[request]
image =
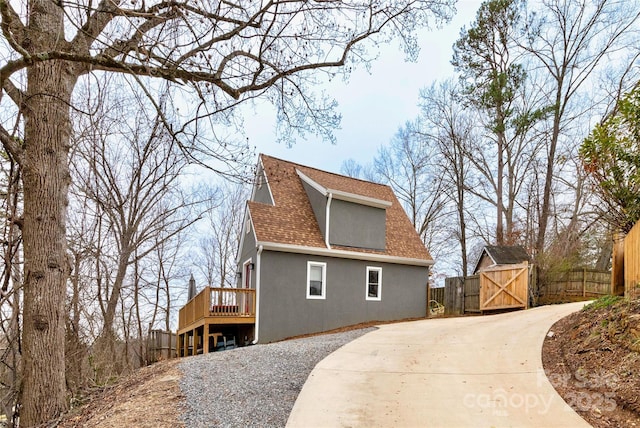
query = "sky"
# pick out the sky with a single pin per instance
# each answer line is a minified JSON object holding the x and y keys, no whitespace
{"x":373,"y":104}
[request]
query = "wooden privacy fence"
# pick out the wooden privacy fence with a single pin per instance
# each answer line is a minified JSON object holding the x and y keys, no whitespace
{"x":630,"y":261}
{"x":577,"y":284}
{"x":161,"y":345}
{"x":461,"y":295}
{"x":437,"y":294}
{"x":435,"y":301}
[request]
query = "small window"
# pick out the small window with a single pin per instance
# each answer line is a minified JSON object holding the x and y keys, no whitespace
{"x":374,"y":283}
{"x":316,"y":280}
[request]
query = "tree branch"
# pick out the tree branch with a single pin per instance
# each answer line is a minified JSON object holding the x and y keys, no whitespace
{"x":12,"y":27}
{"x":12,"y":146}
{"x":95,"y":24}
{"x":16,"y":95}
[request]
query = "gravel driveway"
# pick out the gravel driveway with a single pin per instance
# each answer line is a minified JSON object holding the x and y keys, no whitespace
{"x":254,"y":386}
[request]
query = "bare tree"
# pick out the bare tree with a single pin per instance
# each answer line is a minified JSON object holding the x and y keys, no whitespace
{"x":146,"y":298}
{"x":90,"y":246}
{"x":407,"y":165}
{"x":217,"y":54}
{"x":351,"y":168}
{"x":570,"y":42}
{"x":10,"y":288}
{"x":221,"y":233}
{"x":445,"y":122}
{"x":168,"y":270}
{"x":131,"y":172}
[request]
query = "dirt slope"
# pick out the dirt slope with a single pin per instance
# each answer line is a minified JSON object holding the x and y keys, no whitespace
{"x":592,"y":358}
{"x":148,"y":398}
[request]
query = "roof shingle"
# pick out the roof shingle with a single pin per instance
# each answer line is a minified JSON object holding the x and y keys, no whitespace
{"x":292,"y":221}
{"x":507,"y":255}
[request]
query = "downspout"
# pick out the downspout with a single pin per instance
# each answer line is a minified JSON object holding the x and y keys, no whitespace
{"x":327,"y":216}
{"x":257,"y":324}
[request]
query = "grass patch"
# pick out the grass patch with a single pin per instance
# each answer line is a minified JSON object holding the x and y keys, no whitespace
{"x":602,"y":302}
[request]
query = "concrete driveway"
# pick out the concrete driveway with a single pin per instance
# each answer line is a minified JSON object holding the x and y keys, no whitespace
{"x":450,"y":372}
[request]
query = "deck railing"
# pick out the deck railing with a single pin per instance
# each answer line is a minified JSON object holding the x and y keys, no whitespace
{"x":218,"y":302}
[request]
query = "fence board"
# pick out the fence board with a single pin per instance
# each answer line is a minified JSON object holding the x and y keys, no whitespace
{"x":453,"y":296}
{"x":161,"y":345}
{"x":617,"y":265}
{"x":472,"y":293}
{"x":462,"y":295}
{"x":632,"y":263}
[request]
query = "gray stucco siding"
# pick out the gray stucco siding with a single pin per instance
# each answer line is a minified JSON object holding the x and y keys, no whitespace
{"x":248,"y":251}
{"x":355,"y":225}
{"x":285,"y":310}
{"x":261,"y":190}
{"x":319,"y":205}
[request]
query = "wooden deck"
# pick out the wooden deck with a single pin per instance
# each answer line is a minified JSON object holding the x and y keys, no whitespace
{"x":201,"y":320}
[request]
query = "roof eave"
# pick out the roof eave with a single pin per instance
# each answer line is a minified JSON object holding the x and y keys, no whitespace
{"x":344,"y":196}
{"x":344,"y":254}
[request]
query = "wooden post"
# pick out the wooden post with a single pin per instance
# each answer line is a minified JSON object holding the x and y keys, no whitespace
{"x":205,"y":332}
{"x":185,"y":344}
{"x":428,"y":300}
{"x":617,"y":265}
{"x":584,"y":282}
{"x":207,"y":301}
{"x":464,"y":291}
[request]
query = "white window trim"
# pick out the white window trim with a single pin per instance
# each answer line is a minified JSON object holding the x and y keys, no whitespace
{"x":244,"y":274}
{"x":366,"y":283}
{"x":324,"y":280}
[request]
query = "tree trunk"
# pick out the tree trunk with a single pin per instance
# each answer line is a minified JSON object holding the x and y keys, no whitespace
{"x":545,"y":210}
{"x":114,"y":298}
{"x":167,"y":320}
{"x":463,"y":238}
{"x":74,"y":351}
{"x":142,"y":354}
{"x":107,"y":359}
{"x":502,"y":143}
{"x":46,"y":183}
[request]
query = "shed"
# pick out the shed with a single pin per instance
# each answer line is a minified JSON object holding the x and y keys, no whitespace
{"x":500,"y":255}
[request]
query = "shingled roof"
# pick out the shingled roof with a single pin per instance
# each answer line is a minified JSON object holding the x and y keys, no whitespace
{"x":504,"y":255}
{"x":291,"y":220}
{"x":507,"y":255}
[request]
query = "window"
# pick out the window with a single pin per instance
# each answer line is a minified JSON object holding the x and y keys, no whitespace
{"x":374,"y":283}
{"x":316,"y":280}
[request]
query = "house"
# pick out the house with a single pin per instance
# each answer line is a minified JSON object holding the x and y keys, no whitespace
{"x":500,"y":255}
{"x":319,"y":251}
